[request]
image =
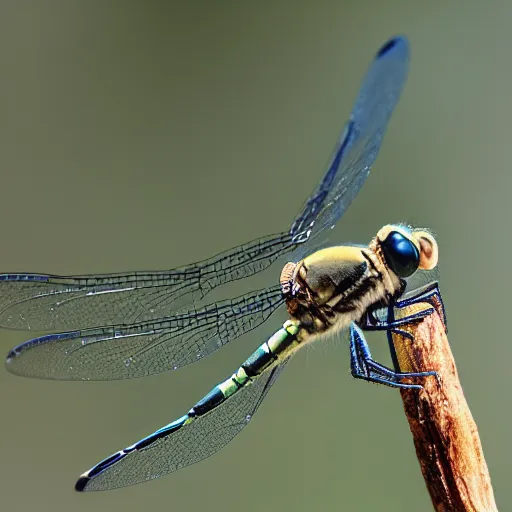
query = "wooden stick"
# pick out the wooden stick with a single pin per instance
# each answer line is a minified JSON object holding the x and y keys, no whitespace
{"x":445,"y":435}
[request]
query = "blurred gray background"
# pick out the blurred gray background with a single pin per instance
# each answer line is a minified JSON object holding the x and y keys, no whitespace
{"x":147,"y":135}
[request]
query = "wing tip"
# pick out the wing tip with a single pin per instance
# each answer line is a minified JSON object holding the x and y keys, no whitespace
{"x":81,"y":483}
{"x":11,"y":355}
{"x":391,"y":44}
{"x":11,"y":359}
{"x":16,"y":353}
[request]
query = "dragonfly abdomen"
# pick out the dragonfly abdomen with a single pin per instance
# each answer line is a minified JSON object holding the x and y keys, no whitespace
{"x":273,"y":353}
{"x":278,"y":347}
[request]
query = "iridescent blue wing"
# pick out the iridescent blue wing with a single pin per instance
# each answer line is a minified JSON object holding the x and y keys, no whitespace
{"x":360,"y":142}
{"x":48,"y":302}
{"x":44,"y":302}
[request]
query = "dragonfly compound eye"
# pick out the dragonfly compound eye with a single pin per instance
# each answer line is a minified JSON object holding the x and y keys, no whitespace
{"x":401,"y":254}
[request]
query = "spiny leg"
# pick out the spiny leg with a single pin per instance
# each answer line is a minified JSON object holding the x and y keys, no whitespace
{"x":429,"y":294}
{"x":364,"y":367}
{"x":371,"y":323}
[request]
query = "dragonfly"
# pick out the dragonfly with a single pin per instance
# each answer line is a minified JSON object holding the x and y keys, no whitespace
{"x":332,"y":289}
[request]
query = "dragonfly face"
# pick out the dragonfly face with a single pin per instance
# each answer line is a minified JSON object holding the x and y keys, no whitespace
{"x":333,"y":287}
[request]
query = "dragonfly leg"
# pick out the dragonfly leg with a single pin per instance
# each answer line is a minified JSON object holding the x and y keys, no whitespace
{"x":364,"y":367}
{"x":429,"y":294}
{"x":370,"y":323}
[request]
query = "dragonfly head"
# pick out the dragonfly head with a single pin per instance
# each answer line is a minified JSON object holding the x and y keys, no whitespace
{"x":406,"y":250}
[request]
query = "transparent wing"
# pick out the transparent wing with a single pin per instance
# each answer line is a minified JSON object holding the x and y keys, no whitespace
{"x":46,"y":302}
{"x":146,"y":348}
{"x":360,"y":142}
{"x":180,"y":444}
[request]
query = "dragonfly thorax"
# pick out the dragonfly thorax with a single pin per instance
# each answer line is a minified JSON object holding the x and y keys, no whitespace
{"x":335,"y":286}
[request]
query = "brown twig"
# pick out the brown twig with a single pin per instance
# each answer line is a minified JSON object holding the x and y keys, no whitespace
{"x":445,"y":435}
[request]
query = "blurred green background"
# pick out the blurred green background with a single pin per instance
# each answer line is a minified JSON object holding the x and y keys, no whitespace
{"x":146,"y":135}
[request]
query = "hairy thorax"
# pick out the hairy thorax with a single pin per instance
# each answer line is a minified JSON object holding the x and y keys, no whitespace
{"x":335,"y":286}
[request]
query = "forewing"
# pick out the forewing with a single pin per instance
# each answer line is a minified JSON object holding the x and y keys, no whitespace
{"x":48,"y":302}
{"x":359,"y":143}
{"x":43,"y":302}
